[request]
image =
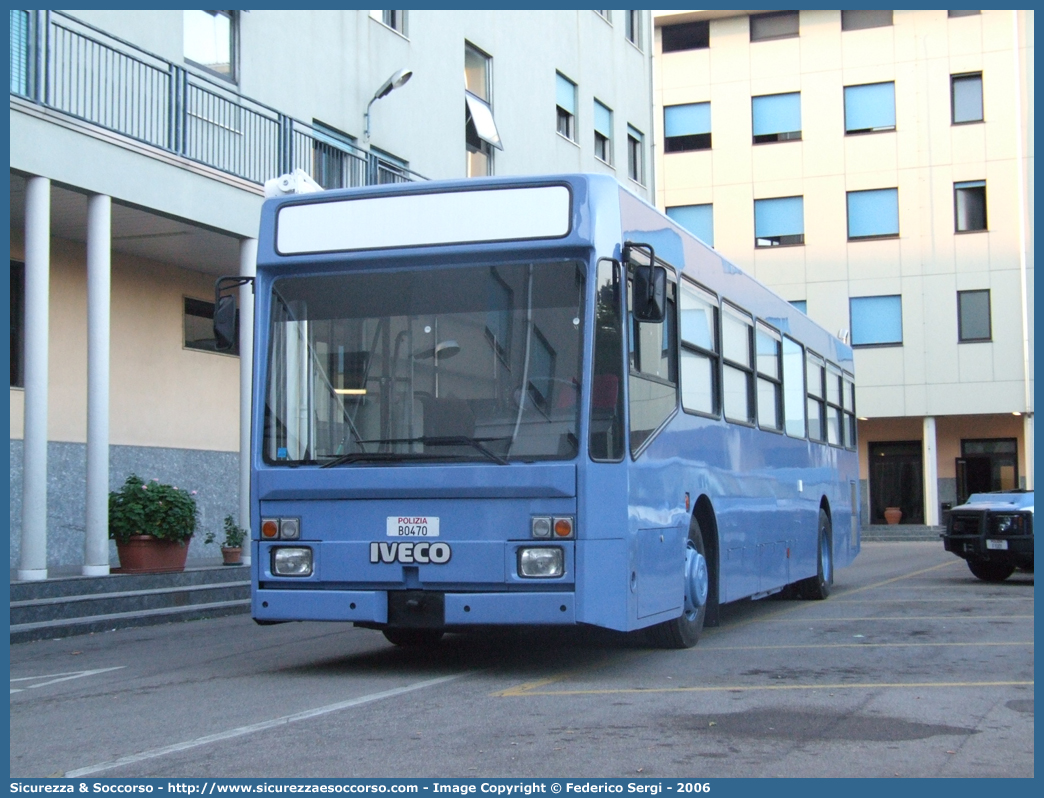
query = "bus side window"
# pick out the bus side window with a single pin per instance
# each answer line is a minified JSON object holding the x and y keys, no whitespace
{"x":653,"y":383}
{"x":700,"y":383}
{"x":737,"y":333}
{"x":849,"y":407}
{"x":770,"y":378}
{"x":793,"y":388}
{"x":834,"y":416}
{"x":607,"y":432}
{"x":816,"y":405}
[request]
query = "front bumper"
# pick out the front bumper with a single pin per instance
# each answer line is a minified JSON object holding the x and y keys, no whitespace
{"x":1016,"y":550}
{"x":371,"y":607}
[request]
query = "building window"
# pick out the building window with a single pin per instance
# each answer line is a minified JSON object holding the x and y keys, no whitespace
{"x":865,"y":18}
{"x":873,"y":214}
{"x":969,"y":206}
{"x":606,"y":15}
{"x":776,"y":117}
{"x":686,"y":127}
{"x":387,"y":168}
{"x":396,"y":20}
{"x":633,"y":27}
{"x":966,"y":98}
{"x":17,"y":324}
{"x":779,"y":222}
{"x":699,"y":350}
{"x":973,"y":316}
{"x":777,"y":25}
{"x":603,"y":133}
{"x":737,"y":334}
{"x":687,"y":36}
{"x":480,"y":130}
{"x":870,"y":108}
{"x":635,"y":156}
{"x":20,"y":52}
{"x":565,"y":98}
{"x":800,"y":304}
{"x":199,"y":327}
{"x":876,"y":320}
{"x":334,"y":162}
{"x":962,"y":13}
{"x":210,"y":41}
{"x":697,"y":219}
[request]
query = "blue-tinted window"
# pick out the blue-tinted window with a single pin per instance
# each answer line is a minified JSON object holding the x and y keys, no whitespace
{"x":777,"y":117}
{"x":565,"y":106}
{"x":870,"y":108}
{"x":876,"y":320}
{"x":966,"y":98}
{"x":19,"y":52}
{"x":697,"y":219}
{"x":873,"y":213}
{"x":687,"y":127}
{"x":603,"y":132}
{"x":779,"y":222}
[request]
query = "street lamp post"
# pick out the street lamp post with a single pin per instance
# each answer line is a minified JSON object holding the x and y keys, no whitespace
{"x":392,"y":83}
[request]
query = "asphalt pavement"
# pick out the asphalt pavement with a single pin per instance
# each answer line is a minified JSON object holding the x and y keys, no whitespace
{"x":911,"y":668}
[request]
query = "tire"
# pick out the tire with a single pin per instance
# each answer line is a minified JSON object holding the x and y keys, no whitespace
{"x":990,"y":571}
{"x":685,"y":630}
{"x":817,"y":588}
{"x":412,"y":638}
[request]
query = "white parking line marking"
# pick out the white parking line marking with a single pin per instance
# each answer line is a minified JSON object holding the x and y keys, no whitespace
{"x":54,"y":678}
{"x":262,"y":726}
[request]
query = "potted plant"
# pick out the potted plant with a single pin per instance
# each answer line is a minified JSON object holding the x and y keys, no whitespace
{"x":232,"y":547}
{"x":152,"y":524}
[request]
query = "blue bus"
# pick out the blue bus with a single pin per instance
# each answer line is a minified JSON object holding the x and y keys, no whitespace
{"x":532,"y":401}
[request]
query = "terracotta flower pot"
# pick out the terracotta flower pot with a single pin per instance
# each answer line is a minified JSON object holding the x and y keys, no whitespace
{"x":145,"y":554}
{"x":231,"y":555}
{"x":893,"y":515}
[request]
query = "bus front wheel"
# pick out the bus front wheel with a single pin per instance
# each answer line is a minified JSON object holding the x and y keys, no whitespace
{"x":412,"y":638}
{"x":684,"y":631}
{"x":818,"y":587}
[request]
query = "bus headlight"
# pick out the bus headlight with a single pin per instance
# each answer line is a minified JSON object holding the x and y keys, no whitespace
{"x":545,"y":562}
{"x":295,"y":561}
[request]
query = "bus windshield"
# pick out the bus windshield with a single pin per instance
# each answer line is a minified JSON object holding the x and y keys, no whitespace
{"x":470,"y":363}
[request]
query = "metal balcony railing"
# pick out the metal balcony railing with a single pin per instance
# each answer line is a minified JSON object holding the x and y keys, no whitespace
{"x":71,"y":67}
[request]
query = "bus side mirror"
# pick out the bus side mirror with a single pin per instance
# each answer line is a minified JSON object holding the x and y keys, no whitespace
{"x":650,"y":284}
{"x":226,"y":317}
{"x":225,"y":322}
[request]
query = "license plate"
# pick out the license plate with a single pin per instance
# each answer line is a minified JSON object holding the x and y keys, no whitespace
{"x":417,"y":526}
{"x":1000,"y":545}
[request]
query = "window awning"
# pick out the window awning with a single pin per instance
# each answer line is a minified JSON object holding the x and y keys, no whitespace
{"x":482,"y":119}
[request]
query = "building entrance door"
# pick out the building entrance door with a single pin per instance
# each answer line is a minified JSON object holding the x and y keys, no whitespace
{"x":897,"y":480}
{"x":987,"y":465}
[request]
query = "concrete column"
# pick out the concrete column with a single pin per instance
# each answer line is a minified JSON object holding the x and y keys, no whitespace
{"x":33,"y":563}
{"x":929,"y":454}
{"x":247,"y":268}
{"x":1027,"y":444}
{"x":99,"y":269}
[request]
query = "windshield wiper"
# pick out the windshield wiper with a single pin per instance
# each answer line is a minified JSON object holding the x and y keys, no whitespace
{"x":428,"y":440}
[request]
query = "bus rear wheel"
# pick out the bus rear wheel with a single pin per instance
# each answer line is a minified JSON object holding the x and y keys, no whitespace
{"x":685,"y":630}
{"x":818,"y":587}
{"x":412,"y":638}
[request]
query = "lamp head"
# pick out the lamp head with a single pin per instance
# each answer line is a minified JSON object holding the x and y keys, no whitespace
{"x":395,"y":81}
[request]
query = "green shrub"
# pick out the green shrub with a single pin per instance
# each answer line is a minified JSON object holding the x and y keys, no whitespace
{"x":140,"y":508}
{"x":234,"y":534}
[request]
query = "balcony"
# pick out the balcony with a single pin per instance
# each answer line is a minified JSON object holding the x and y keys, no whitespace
{"x":85,"y":74}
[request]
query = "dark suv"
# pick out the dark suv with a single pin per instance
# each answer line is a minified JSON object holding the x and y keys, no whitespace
{"x":994,"y":533}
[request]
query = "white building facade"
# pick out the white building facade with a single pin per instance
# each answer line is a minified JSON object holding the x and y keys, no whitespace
{"x":876,"y":168}
{"x":140,"y":142}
